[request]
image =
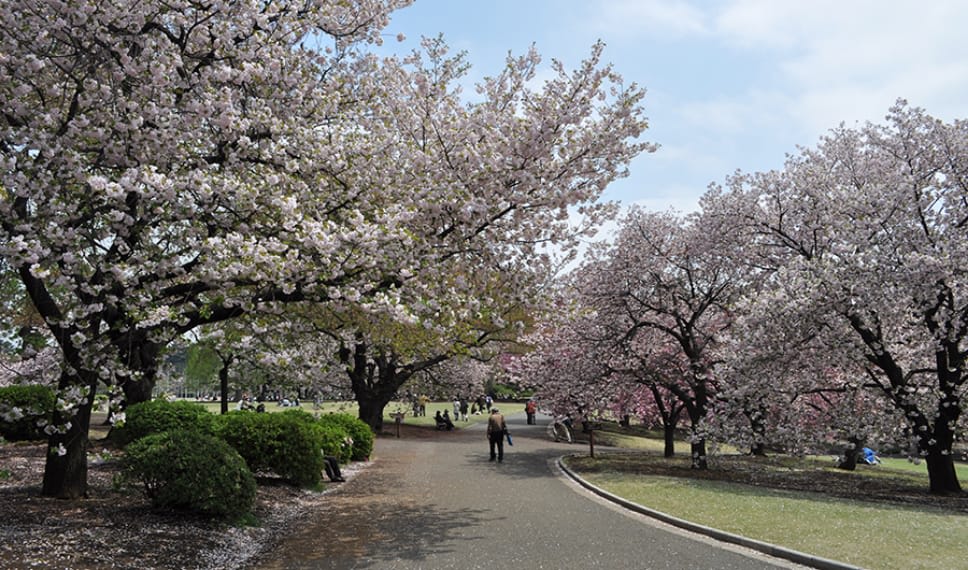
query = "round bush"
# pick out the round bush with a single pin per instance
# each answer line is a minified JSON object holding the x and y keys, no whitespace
{"x":193,"y":471}
{"x":21,"y":407}
{"x":357,"y":430}
{"x":156,"y":416}
{"x":286,"y":443}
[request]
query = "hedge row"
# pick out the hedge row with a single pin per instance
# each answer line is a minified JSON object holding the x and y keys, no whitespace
{"x":24,"y":411}
{"x":170,"y":450}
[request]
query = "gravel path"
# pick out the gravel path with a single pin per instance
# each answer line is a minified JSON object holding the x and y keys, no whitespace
{"x":438,"y":503}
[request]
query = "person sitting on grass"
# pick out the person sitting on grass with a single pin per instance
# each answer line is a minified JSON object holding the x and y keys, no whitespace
{"x":443,"y":421}
{"x":331,"y":465}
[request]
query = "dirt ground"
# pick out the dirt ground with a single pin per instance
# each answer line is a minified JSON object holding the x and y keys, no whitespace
{"x":117,"y":528}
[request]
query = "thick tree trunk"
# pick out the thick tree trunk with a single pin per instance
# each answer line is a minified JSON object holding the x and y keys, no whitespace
{"x":371,"y":411}
{"x":138,"y":390}
{"x":942,"y":475}
{"x":758,"y":427}
{"x":669,"y":438}
{"x":698,"y":449}
{"x":65,"y":472}
{"x":937,"y":452}
{"x":758,"y":449}
{"x":851,"y":453}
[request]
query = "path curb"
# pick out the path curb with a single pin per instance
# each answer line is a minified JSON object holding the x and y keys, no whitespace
{"x":764,"y":547}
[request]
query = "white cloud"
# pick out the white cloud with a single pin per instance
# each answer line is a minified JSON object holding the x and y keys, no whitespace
{"x":849,"y":61}
{"x":648,"y":17}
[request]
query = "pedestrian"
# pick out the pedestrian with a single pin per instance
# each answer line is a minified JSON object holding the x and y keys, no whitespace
{"x":496,"y":432}
{"x":463,"y":408}
{"x":457,"y":408}
{"x":531,"y":408}
{"x":331,"y":465}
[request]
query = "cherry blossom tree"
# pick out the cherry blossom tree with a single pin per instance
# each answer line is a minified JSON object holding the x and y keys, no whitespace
{"x":170,"y":165}
{"x":658,"y":372}
{"x":865,"y":236}
{"x":670,"y":276}
{"x":154,"y":156}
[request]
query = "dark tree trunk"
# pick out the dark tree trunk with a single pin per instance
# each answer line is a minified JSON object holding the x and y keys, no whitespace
{"x":223,"y":384}
{"x":698,"y":449}
{"x":669,"y":438}
{"x":65,"y":472}
{"x":371,"y":412}
{"x":697,"y":411}
{"x":851,"y":454}
{"x":942,"y":475}
{"x":223,"y":381}
{"x":758,"y":427}
{"x":376,"y":379}
{"x":141,"y":356}
{"x":138,"y":390}
{"x":936,"y":445}
{"x":670,"y":419}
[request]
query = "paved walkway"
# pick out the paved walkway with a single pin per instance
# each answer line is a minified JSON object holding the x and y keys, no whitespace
{"x":438,"y":503}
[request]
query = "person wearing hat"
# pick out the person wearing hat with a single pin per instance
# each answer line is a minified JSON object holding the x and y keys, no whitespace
{"x":496,"y":429}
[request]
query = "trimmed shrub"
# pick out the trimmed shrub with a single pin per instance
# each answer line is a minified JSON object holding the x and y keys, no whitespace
{"x":333,"y":441}
{"x":286,"y":443}
{"x":357,"y":430}
{"x":157,"y":416}
{"x":190,"y":470}
{"x":21,"y":407}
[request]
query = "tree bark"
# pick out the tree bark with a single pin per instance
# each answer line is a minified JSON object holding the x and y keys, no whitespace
{"x":937,"y":444}
{"x":669,"y":437}
{"x":371,"y":411}
{"x":942,"y":475}
{"x":223,"y":382}
{"x":65,"y":471}
{"x":137,"y":390}
{"x":698,"y":449}
{"x":851,"y":453}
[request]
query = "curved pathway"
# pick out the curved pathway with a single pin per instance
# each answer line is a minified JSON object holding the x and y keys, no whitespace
{"x":438,"y":503}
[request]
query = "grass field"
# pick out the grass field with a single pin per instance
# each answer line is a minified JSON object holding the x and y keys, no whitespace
{"x":350,"y":407}
{"x":864,"y":534}
{"x":875,"y":535}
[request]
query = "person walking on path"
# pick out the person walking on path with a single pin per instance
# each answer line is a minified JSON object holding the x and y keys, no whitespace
{"x":496,"y":430}
{"x":531,"y":408}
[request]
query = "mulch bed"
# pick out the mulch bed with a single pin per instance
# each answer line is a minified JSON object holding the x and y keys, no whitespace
{"x":117,"y":528}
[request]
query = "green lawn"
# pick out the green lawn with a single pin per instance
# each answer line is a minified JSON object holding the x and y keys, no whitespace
{"x":870,"y":535}
{"x":350,"y":407}
{"x":864,"y":534}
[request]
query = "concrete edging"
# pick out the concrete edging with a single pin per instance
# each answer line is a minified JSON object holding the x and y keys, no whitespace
{"x":764,"y":547}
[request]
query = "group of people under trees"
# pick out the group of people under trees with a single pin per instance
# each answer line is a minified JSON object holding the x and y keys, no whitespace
{"x":462,"y":409}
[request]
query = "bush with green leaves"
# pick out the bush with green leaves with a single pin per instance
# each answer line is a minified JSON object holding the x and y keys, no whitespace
{"x":357,"y":430}
{"x":24,"y":410}
{"x":286,"y":443}
{"x":190,"y":470}
{"x":160,"y":415}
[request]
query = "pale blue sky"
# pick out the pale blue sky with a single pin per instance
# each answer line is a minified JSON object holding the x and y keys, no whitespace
{"x":734,"y":84}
